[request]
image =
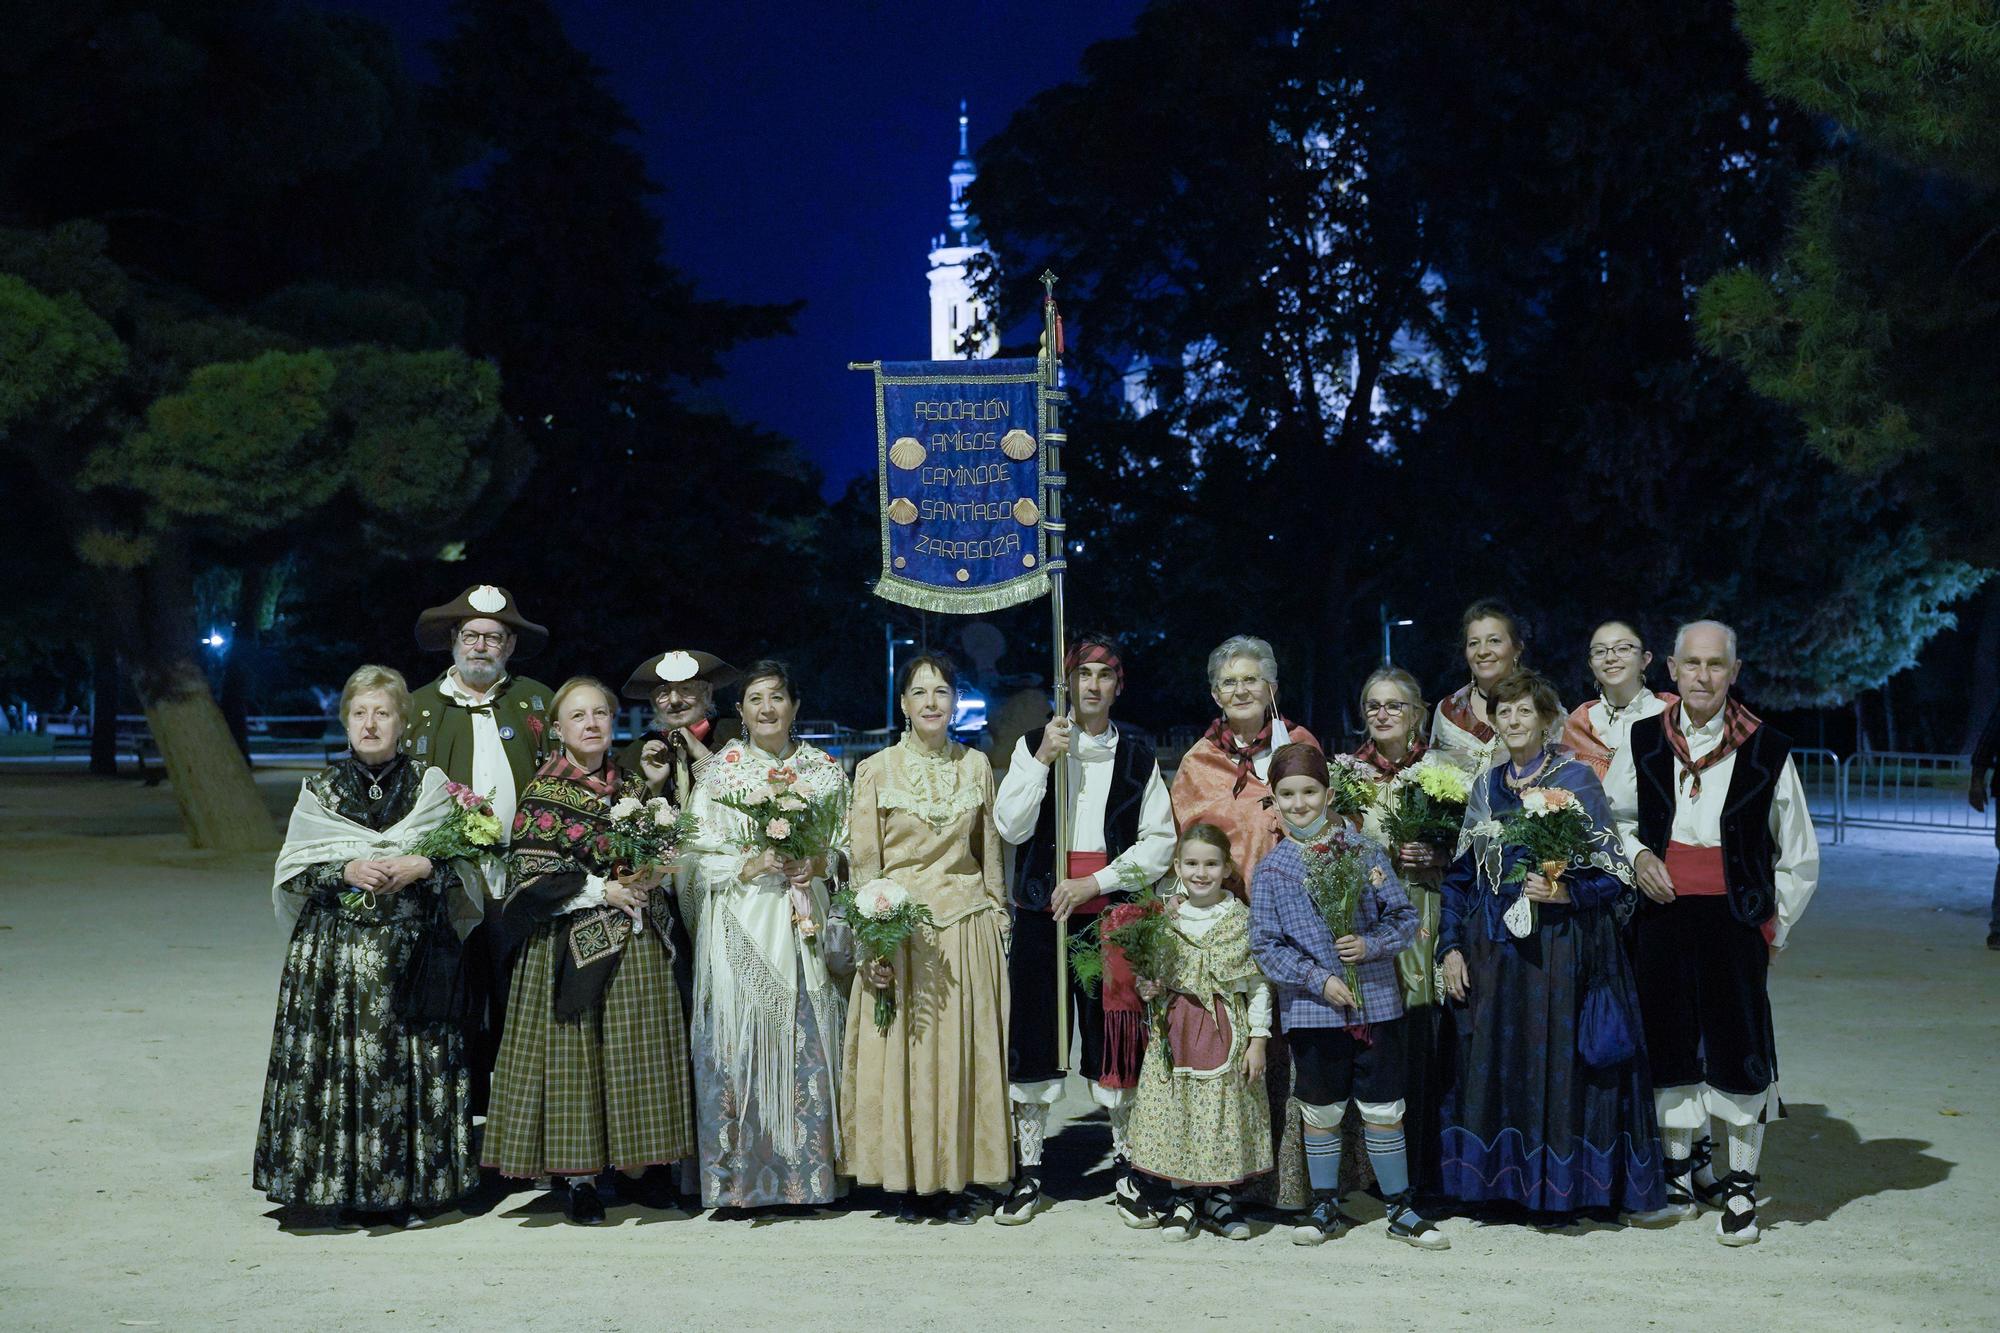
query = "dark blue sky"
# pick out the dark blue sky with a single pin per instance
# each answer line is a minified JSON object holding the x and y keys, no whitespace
{"x":803,"y":149}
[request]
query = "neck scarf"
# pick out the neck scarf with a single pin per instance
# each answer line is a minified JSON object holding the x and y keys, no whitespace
{"x":1386,"y":766}
{"x":1459,"y":709}
{"x":1225,"y":740}
{"x":604,"y":782}
{"x":1738,"y":725}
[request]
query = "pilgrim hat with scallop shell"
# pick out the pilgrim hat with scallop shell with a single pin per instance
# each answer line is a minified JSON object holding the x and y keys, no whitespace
{"x":437,"y":626}
{"x":676,"y":666}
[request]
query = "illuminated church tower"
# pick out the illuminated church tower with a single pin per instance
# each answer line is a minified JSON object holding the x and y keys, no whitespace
{"x":952,"y":304}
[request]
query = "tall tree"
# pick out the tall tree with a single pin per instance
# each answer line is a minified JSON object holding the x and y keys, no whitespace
{"x":1225,"y":200}
{"x":192,"y":440}
{"x":217,"y":222}
{"x":555,"y":242}
{"x":1874,"y":321}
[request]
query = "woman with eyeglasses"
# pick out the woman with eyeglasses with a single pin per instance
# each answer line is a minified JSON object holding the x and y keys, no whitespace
{"x":1223,"y":781}
{"x":1596,"y":731}
{"x":1491,"y":635}
{"x":1392,"y":707}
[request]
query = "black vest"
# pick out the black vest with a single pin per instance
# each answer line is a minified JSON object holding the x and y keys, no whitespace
{"x":1748,"y":854}
{"x":1132,"y":766}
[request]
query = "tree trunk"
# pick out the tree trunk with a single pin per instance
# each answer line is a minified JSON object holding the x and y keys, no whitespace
{"x":244,"y":652}
{"x":1888,"y":693}
{"x":217,"y":796}
{"x":103,"y":704}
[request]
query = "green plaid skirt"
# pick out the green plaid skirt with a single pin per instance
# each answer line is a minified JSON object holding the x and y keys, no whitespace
{"x":609,"y":1090}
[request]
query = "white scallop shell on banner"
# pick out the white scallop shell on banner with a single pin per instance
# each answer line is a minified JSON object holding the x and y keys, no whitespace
{"x":1018,"y":445}
{"x":907,"y":453}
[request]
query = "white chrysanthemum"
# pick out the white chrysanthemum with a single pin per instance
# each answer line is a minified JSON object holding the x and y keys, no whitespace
{"x":1535,"y":803}
{"x":626,"y":806}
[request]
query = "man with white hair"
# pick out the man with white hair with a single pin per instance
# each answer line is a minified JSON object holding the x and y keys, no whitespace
{"x":1713,"y":817}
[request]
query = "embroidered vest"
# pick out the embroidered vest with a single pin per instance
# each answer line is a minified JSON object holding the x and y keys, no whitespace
{"x":1034,"y":861}
{"x":1748,"y":854}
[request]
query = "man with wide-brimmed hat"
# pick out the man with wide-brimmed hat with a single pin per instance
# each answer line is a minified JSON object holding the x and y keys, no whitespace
{"x":486,"y":729}
{"x":680,"y":684}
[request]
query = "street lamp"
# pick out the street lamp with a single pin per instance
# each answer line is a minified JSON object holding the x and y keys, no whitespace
{"x":1389,"y":627}
{"x":891,"y":642}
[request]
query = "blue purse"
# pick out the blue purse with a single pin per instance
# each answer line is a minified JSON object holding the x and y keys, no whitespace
{"x":1607,"y":1031}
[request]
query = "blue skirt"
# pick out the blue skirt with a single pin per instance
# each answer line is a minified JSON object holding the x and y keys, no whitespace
{"x":1526,"y":1120}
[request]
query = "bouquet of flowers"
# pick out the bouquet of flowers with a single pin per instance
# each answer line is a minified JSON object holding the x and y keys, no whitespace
{"x":1146,"y":938}
{"x":1353,"y":787}
{"x":796,"y":826}
{"x":1553,"y":829}
{"x":882,"y":916}
{"x":469,"y":831}
{"x":1336,"y":879}
{"x":647,"y":833}
{"x":1426,"y":803}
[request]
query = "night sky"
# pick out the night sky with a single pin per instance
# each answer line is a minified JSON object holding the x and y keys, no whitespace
{"x":803,"y":150}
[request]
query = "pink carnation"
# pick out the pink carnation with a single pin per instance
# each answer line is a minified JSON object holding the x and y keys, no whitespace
{"x":1559,"y":797}
{"x":778,"y":830}
{"x":574,"y":831}
{"x":545,"y":821}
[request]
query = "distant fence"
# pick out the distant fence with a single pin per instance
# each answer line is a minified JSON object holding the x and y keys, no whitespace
{"x":1891,"y":789}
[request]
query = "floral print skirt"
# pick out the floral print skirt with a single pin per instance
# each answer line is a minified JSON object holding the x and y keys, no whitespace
{"x":361,"y":1110}
{"x":740,"y":1166}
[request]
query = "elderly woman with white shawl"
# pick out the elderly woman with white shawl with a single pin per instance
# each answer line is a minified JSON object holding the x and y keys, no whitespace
{"x":768,"y":1015}
{"x":367,"y":1100}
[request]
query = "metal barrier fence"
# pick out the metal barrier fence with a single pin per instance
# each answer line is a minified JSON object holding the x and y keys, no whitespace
{"x":1895,"y":789}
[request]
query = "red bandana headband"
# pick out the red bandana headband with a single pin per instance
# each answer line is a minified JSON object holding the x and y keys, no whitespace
{"x":1081,"y":653}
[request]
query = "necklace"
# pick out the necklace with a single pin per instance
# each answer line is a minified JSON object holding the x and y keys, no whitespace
{"x":1526,"y":779}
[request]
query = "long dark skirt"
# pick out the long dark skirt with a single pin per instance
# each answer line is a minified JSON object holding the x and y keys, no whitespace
{"x":1526,"y":1120}
{"x":361,"y":1109}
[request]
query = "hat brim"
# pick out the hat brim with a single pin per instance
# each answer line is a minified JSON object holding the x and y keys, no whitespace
{"x":437,"y":627}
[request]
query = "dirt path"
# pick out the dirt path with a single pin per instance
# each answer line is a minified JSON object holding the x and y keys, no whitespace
{"x":137,"y":981}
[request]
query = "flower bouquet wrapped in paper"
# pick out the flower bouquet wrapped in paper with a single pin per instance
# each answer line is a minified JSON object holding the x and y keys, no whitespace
{"x":1552,"y":828}
{"x":1425,"y":803}
{"x":882,"y":917}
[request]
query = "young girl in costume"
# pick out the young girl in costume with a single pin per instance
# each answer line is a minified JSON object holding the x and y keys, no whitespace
{"x":1201,"y":1120}
{"x":1339,"y":1002}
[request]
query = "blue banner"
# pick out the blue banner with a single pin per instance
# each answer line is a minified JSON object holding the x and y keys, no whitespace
{"x":959,"y":454}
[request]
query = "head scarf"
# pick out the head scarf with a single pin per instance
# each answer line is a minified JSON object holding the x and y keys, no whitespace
{"x":1299,"y":760}
{"x":1080,"y":653}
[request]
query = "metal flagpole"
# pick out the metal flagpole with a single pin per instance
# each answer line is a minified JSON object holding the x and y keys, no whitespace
{"x":1053,"y":440}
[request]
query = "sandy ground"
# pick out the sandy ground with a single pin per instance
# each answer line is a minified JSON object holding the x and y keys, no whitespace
{"x":137,"y":982}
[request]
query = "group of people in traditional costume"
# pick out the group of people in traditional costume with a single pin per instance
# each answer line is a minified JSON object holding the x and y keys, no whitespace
{"x":1471,"y":1031}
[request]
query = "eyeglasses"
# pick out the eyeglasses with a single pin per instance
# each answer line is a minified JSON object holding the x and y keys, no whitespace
{"x":1387,"y":707}
{"x":474,"y":639}
{"x":1232,"y":684}
{"x":1600,"y":652}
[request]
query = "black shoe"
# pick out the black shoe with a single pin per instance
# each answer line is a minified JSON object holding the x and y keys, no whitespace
{"x":912,"y":1209}
{"x":1413,"y":1228}
{"x":1133,"y":1209}
{"x":1736,"y":1224}
{"x":1181,"y":1221}
{"x":1218,"y":1214}
{"x":583,"y":1206}
{"x":1021,"y":1203}
{"x":962,"y":1210}
{"x":1322,"y":1222}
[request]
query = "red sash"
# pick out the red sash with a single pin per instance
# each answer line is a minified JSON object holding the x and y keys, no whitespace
{"x":1088,"y":863}
{"x":1697,"y":873}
